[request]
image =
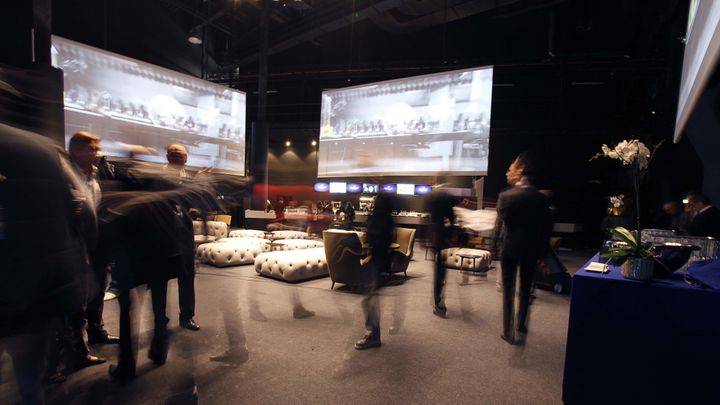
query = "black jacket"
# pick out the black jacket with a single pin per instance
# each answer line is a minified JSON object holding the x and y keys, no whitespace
{"x":706,"y":223}
{"x":524,"y":222}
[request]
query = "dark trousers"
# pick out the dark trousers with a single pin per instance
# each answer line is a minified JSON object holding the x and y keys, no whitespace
{"x":371,"y":305}
{"x":509,"y":265}
{"x":439,"y":277}
{"x":128,"y":341}
{"x":186,"y":295}
{"x":89,"y":317}
{"x":95,"y":306}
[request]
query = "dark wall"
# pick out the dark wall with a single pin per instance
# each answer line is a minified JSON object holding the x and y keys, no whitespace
{"x":31,"y":91}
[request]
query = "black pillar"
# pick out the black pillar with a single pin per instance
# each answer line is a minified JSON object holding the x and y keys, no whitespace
{"x":32,"y":96}
{"x":260,"y":127}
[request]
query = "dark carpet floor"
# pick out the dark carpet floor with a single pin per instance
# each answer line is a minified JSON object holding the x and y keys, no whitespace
{"x":426,"y":360}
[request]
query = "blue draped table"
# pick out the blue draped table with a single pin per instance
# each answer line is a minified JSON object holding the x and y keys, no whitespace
{"x":655,"y":342}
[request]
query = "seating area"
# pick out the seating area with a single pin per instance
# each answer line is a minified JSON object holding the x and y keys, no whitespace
{"x":291,"y":256}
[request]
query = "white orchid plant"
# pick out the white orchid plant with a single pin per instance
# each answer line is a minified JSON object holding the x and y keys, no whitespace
{"x":617,"y":201}
{"x":628,"y":152}
{"x":635,"y":154}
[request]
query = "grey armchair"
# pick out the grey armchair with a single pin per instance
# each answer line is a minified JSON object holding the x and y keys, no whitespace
{"x":344,"y":255}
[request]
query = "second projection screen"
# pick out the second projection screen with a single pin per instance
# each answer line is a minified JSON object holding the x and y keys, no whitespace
{"x":415,"y":126}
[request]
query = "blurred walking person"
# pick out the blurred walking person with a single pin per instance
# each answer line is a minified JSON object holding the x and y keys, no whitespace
{"x":522,"y":232}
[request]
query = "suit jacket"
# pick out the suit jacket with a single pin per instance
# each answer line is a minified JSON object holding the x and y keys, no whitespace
{"x":524,"y":222}
{"x":706,"y":223}
{"x":440,"y":205}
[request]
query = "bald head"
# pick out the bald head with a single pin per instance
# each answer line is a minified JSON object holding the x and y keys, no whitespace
{"x":176,"y":154}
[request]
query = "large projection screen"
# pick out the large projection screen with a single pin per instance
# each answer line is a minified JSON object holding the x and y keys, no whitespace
{"x":438,"y":123}
{"x":702,"y":51}
{"x":129,"y":102}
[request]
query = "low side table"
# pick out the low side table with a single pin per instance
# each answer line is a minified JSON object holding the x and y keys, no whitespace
{"x":471,"y":269}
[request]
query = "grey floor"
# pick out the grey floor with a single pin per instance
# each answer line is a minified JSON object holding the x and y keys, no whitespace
{"x":428,"y":360}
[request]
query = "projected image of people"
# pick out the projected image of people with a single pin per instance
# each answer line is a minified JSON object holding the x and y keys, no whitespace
{"x":126,"y":102}
{"x":413,"y":126}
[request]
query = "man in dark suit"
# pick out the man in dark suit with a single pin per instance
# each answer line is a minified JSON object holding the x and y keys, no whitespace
{"x":177,"y":158}
{"x":522,"y":233}
{"x":706,"y":217}
{"x":440,"y":205}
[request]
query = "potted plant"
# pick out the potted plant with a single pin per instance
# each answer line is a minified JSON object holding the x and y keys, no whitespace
{"x":635,"y":260}
{"x":635,"y":154}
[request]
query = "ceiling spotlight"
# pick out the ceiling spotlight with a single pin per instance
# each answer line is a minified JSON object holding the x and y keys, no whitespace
{"x":313,"y":143}
{"x":287,"y":143}
{"x":195,"y":38}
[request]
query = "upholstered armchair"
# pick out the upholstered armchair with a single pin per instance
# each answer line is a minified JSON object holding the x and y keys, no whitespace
{"x":400,"y":257}
{"x":344,"y":255}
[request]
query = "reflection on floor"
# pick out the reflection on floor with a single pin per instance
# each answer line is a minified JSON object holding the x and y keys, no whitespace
{"x":267,"y":355}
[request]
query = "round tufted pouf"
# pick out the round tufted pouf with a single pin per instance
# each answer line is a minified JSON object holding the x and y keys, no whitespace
{"x":453,"y":261}
{"x":295,"y":244}
{"x":247,"y":233}
{"x":263,"y":243}
{"x":222,"y":254}
{"x":292,"y":265}
{"x":289,"y":235}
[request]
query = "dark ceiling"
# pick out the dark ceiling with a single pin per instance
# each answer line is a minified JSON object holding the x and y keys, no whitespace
{"x":561,"y":65}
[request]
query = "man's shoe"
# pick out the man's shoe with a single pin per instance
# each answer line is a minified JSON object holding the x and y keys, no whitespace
{"x":87,"y":361}
{"x":368,"y":341}
{"x":189,"y":324}
{"x":440,"y":310}
{"x":102,"y":338}
{"x":121,"y":372}
{"x":508,"y":339}
{"x":302,"y":313}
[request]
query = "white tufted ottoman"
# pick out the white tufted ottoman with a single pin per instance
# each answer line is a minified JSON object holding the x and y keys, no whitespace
{"x":292,"y":265}
{"x":264,"y":244}
{"x":453,"y":261}
{"x":247,"y":233}
{"x":295,"y":244}
{"x":199,"y":239}
{"x":223,"y":254}
{"x":289,"y":235}
{"x":215,"y":229}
